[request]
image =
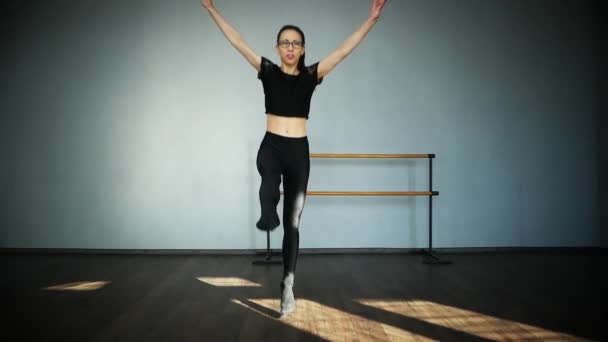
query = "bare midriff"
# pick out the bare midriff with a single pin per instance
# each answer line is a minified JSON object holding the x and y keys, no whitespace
{"x":292,"y":127}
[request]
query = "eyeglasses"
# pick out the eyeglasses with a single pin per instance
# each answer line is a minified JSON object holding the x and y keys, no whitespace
{"x":285,"y":44}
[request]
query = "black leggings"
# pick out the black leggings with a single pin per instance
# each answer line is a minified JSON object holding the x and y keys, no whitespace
{"x":279,"y":155}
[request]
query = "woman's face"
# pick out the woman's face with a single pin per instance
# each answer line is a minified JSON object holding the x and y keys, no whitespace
{"x":290,"y":47}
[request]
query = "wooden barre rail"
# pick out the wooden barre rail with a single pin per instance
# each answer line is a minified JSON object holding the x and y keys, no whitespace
{"x":369,"y":155}
{"x":371,"y":193}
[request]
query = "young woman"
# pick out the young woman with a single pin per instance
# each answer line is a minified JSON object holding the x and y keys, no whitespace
{"x":283,"y":151}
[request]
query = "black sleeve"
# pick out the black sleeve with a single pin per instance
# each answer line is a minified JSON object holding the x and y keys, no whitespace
{"x":312,"y":71}
{"x":265,"y":68}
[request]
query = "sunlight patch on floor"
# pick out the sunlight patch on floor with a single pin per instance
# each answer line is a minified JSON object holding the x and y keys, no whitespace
{"x":78,"y":286}
{"x":470,"y":322}
{"x":332,"y":324}
{"x":228,"y":281}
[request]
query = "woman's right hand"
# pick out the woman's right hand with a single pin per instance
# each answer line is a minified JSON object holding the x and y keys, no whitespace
{"x":377,"y":7}
{"x":207,"y":3}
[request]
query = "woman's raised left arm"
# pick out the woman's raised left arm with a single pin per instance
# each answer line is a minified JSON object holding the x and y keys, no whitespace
{"x":328,"y":63}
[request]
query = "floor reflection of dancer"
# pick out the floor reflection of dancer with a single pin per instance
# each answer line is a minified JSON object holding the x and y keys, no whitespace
{"x":284,"y":149}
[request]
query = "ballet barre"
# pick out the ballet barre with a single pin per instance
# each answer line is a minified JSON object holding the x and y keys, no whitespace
{"x":431,"y":257}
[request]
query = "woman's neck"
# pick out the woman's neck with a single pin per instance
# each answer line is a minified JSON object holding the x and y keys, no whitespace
{"x":291,"y":70}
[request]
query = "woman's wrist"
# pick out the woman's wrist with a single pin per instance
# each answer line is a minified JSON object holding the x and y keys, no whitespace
{"x":372,"y":20}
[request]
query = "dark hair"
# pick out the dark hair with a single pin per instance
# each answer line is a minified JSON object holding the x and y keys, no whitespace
{"x":293,"y":27}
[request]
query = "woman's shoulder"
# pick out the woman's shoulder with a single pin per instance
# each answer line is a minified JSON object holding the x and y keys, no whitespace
{"x":311,"y":70}
{"x":267,"y":62}
{"x":267,"y":68}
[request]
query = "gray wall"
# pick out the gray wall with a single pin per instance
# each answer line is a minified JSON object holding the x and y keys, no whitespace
{"x":136,"y":125}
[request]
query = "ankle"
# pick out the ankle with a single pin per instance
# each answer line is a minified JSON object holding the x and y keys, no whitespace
{"x":288,"y":279}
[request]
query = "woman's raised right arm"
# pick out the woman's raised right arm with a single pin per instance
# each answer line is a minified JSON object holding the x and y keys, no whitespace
{"x":233,"y":36}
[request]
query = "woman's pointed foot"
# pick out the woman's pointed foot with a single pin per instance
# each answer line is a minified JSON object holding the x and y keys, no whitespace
{"x":288,"y":302}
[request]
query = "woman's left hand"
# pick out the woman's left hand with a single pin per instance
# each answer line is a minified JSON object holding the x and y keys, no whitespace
{"x":377,"y":6}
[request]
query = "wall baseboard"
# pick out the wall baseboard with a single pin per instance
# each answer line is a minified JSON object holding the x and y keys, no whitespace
{"x":58,"y":251}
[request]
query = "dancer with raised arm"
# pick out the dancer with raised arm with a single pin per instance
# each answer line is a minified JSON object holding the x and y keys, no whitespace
{"x":288,"y":89}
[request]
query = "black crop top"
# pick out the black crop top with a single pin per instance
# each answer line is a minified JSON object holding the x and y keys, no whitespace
{"x":288,"y":95}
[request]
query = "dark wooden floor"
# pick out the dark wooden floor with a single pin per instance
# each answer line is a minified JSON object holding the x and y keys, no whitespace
{"x":343,"y":297}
